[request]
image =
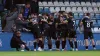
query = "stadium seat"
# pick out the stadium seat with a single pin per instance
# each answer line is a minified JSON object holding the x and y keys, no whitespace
{"x":46,"y":10}
{"x":85,"y":9}
{"x":76,"y":16}
{"x":40,"y":10}
{"x":94,"y":4}
{"x":61,"y":4}
{"x":94,"y":22}
{"x":52,"y":10}
{"x":77,"y":22}
{"x":92,"y":15}
{"x":40,"y":4}
{"x":74,"y":9}
{"x":62,"y":8}
{"x":83,"y":4}
{"x":56,"y":3}
{"x":77,"y":3}
{"x":57,"y":9}
{"x":96,"y":30}
{"x":72,"y":4}
{"x":50,"y":4}
{"x":88,"y":4}
{"x":68,"y":9}
{"x":45,"y":3}
{"x":81,"y":15}
{"x":66,"y":3}
{"x":99,"y":22}
{"x":79,"y":9}
{"x":90,"y":9}
{"x":98,"y":4}
{"x":97,"y":16}
{"x":95,"y":9}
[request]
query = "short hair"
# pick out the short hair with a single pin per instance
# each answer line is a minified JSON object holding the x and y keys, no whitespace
{"x":70,"y":13}
{"x":27,"y":3}
{"x":87,"y":14}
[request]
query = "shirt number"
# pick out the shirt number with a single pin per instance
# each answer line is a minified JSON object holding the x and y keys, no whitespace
{"x":88,"y":24}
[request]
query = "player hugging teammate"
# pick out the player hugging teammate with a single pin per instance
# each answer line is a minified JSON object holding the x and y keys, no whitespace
{"x":61,"y":28}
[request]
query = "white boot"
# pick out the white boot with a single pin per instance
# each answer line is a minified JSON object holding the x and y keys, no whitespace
{"x":34,"y":49}
{"x":40,"y":49}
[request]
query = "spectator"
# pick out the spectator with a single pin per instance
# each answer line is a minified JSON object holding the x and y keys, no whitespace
{"x":17,"y":43}
{"x":10,"y":19}
{"x":26,"y":11}
{"x":21,"y":23}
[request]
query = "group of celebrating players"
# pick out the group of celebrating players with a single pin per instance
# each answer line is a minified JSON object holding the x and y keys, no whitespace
{"x":60,"y":27}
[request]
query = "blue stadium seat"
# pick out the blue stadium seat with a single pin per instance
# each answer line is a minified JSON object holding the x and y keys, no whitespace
{"x":46,"y":10}
{"x":40,"y":9}
{"x":97,"y":16}
{"x":77,"y":22}
{"x":99,"y":22}
{"x":92,"y":15}
{"x":76,"y":16}
{"x":94,"y":22}
{"x":81,"y":15}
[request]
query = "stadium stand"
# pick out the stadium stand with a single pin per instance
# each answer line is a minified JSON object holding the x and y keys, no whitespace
{"x":78,"y":7}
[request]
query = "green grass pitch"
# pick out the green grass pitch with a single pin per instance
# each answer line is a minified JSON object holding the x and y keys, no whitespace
{"x":51,"y":53}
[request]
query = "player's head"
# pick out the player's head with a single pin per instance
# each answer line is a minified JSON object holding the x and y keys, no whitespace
{"x":27,"y":5}
{"x":87,"y":14}
{"x":51,"y":16}
{"x":20,"y":15}
{"x":45,"y":15}
{"x":18,"y":33}
{"x":33,"y":15}
{"x":70,"y":15}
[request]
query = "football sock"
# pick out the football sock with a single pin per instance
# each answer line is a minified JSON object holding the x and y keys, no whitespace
{"x":35,"y":43}
{"x":86,"y":47}
{"x":63,"y":44}
{"x":57,"y":44}
{"x":71,"y":44}
{"x":75,"y":44}
{"x":40,"y":43}
{"x":93,"y":46}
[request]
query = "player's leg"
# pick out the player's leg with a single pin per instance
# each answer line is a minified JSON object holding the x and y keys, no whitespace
{"x":35,"y":39}
{"x":63,"y":38}
{"x":63,"y":44}
{"x":39,"y":38}
{"x":71,"y":44}
{"x":86,"y":39}
{"x":57,"y":44}
{"x":75,"y":41}
{"x":40,"y":44}
{"x":92,"y":39}
{"x":71,"y":40}
{"x":50,"y":43}
{"x":58,"y":40}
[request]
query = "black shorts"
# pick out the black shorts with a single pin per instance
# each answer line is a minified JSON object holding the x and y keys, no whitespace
{"x":72,"y":34}
{"x":36,"y":31}
{"x":50,"y":33}
{"x":88,"y":34}
{"x":64,"y":33}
